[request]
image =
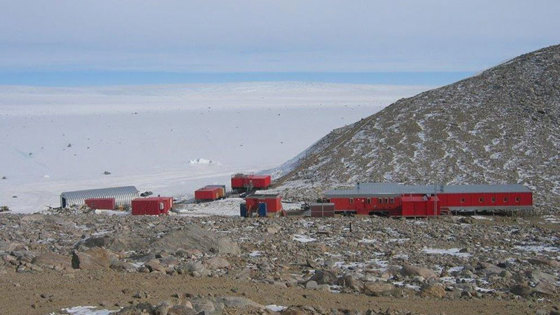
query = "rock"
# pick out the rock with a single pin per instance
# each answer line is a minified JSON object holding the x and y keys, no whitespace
{"x":227,"y":246}
{"x":94,"y":258}
{"x":140,"y":308}
{"x":490,"y":269}
{"x":204,"y":305}
{"x":238,"y":302}
{"x":53,"y":261}
{"x":325,"y":277}
{"x":180,"y":310}
{"x":522,"y":290}
{"x":196,"y":269}
{"x":539,"y":276}
{"x":273,"y":229}
{"x":378,"y":288}
{"x":102,"y":241}
{"x":432,"y":290}
{"x":349,"y":281}
{"x":217,"y":263}
{"x":122,"y":266}
{"x":311,"y":285}
{"x":545,"y":288}
{"x":155,"y":266}
{"x":191,"y":237}
{"x":411,"y":271}
{"x":544,"y":262}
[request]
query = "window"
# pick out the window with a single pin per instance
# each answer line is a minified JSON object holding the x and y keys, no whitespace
{"x":392,"y":200}
{"x":462,"y":200}
{"x":516,"y":199}
{"x":505,"y":199}
{"x":481,"y":199}
{"x":351,"y":200}
{"x":380,"y":200}
{"x":493,"y":199}
{"x":368,"y":201}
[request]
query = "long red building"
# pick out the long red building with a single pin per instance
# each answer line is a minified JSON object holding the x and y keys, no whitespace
{"x":428,"y":200}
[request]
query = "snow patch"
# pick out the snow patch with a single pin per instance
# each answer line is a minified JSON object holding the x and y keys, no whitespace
{"x":450,"y":251}
{"x":303,"y":238}
{"x":86,"y":310}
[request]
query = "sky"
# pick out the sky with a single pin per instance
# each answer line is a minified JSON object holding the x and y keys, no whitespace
{"x":306,"y":36}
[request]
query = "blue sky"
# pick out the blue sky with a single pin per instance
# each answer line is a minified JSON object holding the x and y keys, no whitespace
{"x":270,"y":36}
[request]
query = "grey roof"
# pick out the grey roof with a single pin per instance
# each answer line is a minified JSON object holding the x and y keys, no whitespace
{"x":393,"y":189}
{"x":122,"y":195}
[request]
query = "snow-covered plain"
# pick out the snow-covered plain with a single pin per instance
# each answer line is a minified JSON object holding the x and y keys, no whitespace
{"x":167,"y":139}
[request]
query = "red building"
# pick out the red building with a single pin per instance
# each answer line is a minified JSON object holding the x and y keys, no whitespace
{"x":152,"y":205}
{"x":210,"y":192}
{"x":100,"y":203}
{"x":250,"y":182}
{"x":272,"y":200}
{"x":428,"y":200}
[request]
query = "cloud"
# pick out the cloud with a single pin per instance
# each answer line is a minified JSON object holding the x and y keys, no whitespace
{"x":270,"y":35}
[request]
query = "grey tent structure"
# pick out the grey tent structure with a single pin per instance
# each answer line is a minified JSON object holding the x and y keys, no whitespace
{"x":123,"y":195}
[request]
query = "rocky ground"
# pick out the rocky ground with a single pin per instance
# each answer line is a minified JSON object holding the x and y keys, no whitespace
{"x":291,"y":265}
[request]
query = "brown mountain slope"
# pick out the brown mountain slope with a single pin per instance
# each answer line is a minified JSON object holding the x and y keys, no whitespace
{"x":501,"y":126}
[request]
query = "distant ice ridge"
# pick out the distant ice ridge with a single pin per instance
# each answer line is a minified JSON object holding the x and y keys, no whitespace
{"x":201,"y":161}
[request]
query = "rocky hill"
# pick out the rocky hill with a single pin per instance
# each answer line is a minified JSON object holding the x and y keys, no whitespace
{"x":500,"y":126}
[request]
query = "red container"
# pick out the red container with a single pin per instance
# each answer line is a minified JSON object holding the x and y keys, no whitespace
{"x":241,"y":181}
{"x":152,"y":205}
{"x":273,"y":202}
{"x":101,"y":203}
{"x":209,"y":193}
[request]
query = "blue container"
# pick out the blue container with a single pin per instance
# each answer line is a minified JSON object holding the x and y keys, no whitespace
{"x":243,"y":210}
{"x":262,"y":209}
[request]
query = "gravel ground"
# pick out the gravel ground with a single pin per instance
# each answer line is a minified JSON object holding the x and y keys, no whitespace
{"x":500,"y":262}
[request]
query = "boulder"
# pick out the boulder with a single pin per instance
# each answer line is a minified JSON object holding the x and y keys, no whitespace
{"x":122,"y":266}
{"x":94,"y":258}
{"x":53,"y":261}
{"x":349,"y":281}
{"x":432,"y":290}
{"x":227,"y":246}
{"x":544,"y":262}
{"x":412,"y":271}
{"x":378,"y":288}
{"x":325,"y":277}
{"x":522,"y":290}
{"x":545,"y":288}
{"x":155,"y":266}
{"x":238,"y":302}
{"x":490,"y":269}
{"x":217,"y":263}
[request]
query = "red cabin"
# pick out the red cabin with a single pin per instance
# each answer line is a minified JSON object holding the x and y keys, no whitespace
{"x":250,"y":182}
{"x":272,"y":200}
{"x":210,"y":192}
{"x":152,"y":205}
{"x":101,"y":203}
{"x":429,"y":200}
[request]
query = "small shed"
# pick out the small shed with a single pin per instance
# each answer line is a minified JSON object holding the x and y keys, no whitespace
{"x":273,"y":201}
{"x":152,"y":205}
{"x":249,"y":182}
{"x":322,"y":210}
{"x":210,"y":192}
{"x":123,"y":196}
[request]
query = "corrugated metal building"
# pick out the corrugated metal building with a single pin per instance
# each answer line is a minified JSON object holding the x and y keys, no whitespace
{"x":123,"y":195}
